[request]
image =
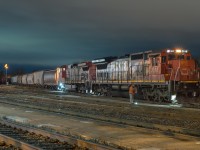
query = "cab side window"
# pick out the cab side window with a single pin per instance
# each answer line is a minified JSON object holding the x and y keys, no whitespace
{"x":154,"y":61}
{"x":181,"y":57}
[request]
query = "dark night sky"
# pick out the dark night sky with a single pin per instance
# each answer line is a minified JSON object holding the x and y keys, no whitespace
{"x":57,"y":32}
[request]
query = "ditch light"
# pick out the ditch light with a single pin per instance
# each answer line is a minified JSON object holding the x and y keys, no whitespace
{"x":173,"y":99}
{"x":177,"y":51}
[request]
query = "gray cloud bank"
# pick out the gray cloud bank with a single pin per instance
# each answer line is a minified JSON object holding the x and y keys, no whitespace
{"x":65,"y":31}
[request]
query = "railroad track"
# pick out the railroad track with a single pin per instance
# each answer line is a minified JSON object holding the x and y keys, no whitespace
{"x":21,"y":137}
{"x":6,"y":146}
{"x":101,"y":100}
{"x":119,"y":112}
{"x":29,"y":140}
{"x":105,"y":113}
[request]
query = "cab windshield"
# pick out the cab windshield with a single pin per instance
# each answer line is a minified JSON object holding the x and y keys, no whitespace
{"x":176,"y":57}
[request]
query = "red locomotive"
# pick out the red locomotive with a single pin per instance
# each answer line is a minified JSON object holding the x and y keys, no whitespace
{"x":158,"y":75}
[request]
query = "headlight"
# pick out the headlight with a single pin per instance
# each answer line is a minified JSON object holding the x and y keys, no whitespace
{"x":173,"y":97}
{"x":178,"y":51}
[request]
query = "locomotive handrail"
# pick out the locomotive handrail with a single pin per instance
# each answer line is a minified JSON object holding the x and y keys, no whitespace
{"x":177,"y":74}
{"x":172,"y":71}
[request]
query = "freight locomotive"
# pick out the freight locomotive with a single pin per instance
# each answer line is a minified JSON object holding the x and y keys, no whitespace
{"x":157,"y":75}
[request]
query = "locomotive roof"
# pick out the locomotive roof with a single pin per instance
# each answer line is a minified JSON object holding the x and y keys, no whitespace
{"x":125,"y":56}
{"x":141,"y":52}
{"x":74,"y":65}
{"x":161,"y":50}
{"x":150,"y":51}
{"x":104,"y":59}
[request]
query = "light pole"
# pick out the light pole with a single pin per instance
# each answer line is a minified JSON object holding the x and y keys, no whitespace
{"x":6,"y":67}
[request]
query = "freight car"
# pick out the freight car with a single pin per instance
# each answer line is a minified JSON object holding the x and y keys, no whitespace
{"x":29,"y":79}
{"x":44,"y":78}
{"x":158,"y":75}
{"x":14,"y":79}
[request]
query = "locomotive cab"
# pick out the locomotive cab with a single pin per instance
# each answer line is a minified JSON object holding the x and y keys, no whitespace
{"x":177,"y":65}
{"x":181,"y":70}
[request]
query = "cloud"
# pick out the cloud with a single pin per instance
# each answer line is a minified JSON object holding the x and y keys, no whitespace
{"x":55,"y":32}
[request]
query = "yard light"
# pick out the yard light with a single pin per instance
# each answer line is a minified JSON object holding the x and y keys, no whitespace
{"x":6,"y":68}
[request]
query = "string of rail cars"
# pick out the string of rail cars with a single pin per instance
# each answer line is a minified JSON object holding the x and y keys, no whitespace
{"x":158,"y":76}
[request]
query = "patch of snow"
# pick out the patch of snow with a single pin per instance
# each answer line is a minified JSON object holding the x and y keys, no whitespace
{"x":47,"y":125}
{"x":17,"y":119}
{"x":88,"y":122}
{"x":198,"y":143}
{"x":28,"y":111}
{"x":151,"y":148}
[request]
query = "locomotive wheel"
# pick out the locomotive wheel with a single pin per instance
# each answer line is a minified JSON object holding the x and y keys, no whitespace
{"x":163,"y":94}
{"x":157,"y":95}
{"x":150,"y":95}
{"x":145,"y":94}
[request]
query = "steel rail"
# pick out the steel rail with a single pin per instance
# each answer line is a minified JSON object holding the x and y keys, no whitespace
{"x":63,"y":138}
{"x":16,"y":143}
